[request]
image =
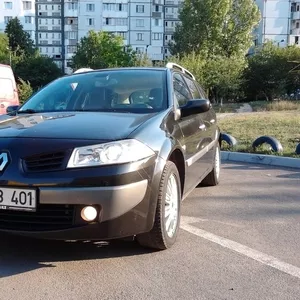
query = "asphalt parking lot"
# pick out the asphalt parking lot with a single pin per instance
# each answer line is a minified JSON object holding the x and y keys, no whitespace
{"x":239,"y":240}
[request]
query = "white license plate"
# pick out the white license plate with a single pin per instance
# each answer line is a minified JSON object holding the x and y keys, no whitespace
{"x":17,"y":199}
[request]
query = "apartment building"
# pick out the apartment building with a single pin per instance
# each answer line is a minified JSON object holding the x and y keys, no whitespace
{"x":24,"y":10}
{"x":280,"y":22}
{"x":56,"y":26}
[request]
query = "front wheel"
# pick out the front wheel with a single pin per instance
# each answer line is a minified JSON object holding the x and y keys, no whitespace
{"x":167,"y":217}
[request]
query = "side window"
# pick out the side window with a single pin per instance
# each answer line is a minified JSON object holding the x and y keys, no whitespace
{"x":193,"y":88}
{"x":201,"y":90}
{"x":181,"y":91}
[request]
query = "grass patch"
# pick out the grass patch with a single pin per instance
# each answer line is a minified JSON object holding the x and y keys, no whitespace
{"x":284,"y":126}
{"x":275,"y":105}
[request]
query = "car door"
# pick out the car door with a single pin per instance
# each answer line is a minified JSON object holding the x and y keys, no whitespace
{"x":191,"y":134}
{"x":207,"y":125}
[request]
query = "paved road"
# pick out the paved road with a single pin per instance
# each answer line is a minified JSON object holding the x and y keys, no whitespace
{"x":238,"y":241}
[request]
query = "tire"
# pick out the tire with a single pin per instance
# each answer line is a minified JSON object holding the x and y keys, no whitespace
{"x":273,"y":142}
{"x":298,"y":149}
{"x":229,"y":139}
{"x":213,"y":178}
{"x":158,"y":238}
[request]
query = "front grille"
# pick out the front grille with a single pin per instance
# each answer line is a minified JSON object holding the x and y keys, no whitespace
{"x":46,"y":217}
{"x":46,"y":162}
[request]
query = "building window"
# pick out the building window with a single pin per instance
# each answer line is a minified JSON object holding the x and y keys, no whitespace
{"x":157,"y":8}
{"x":91,"y":21}
{"x":71,"y":49}
{"x":140,"y":23}
{"x":72,"y":5}
{"x":8,"y":5}
{"x":297,"y":40}
{"x":28,"y":20}
{"x":108,"y":6}
{"x":27,"y":5}
{"x":157,"y":36}
{"x":139,"y":49}
{"x":122,"y":7}
{"x":139,"y":36}
{"x":297,"y":25}
{"x":121,"y":21}
{"x":156,"y":22}
{"x":108,"y":21}
{"x":72,"y":35}
{"x":140,"y":8}
{"x":90,"y":7}
{"x":7,"y":19}
{"x":122,"y":34}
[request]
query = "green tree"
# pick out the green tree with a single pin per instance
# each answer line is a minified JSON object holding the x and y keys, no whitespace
{"x":142,"y":60}
{"x":24,"y":89}
{"x":4,"y":50}
{"x":100,"y":50}
{"x":269,"y":72}
{"x":221,"y":27}
{"x":19,"y":40}
{"x":38,"y":70}
{"x":221,"y":76}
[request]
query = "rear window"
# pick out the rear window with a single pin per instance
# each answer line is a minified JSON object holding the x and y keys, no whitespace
{"x":6,"y":89}
{"x":136,"y":91}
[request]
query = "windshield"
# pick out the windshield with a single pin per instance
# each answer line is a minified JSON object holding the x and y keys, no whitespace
{"x":137,"y":91}
{"x":6,"y":89}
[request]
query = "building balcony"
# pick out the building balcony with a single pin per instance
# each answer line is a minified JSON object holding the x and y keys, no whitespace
{"x":156,"y":56}
{"x":47,"y":14}
{"x":172,"y":2}
{"x":295,"y":31}
{"x":71,"y":13}
{"x":49,"y":27}
{"x":171,"y":16}
{"x":295,"y":15}
{"x":169,"y":29}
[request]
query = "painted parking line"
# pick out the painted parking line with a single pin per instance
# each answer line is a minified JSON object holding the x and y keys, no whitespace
{"x":186,"y":224}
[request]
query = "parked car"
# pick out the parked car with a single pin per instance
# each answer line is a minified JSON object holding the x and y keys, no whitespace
{"x":8,"y":88}
{"x":108,"y":154}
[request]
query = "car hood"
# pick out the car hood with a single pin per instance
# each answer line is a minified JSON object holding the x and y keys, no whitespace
{"x":72,"y":125}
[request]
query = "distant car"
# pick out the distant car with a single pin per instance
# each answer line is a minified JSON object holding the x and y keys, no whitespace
{"x":8,"y":89}
{"x":107,"y":154}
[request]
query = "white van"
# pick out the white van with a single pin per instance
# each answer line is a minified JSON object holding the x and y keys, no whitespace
{"x":8,"y":89}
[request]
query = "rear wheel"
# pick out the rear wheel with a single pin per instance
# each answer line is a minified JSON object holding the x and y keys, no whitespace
{"x":213,"y":178}
{"x":167,"y":217}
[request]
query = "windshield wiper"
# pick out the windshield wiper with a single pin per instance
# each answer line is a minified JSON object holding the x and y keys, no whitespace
{"x":27,"y":111}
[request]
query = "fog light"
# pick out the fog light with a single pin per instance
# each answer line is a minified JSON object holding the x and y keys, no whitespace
{"x":89,"y":213}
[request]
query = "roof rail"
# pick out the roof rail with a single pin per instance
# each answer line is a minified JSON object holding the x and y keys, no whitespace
{"x":82,"y":70}
{"x":171,"y":65}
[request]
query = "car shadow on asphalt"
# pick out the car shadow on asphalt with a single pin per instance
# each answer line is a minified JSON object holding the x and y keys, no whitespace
{"x":21,"y":254}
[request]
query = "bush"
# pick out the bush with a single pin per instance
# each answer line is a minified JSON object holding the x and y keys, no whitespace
{"x":25,"y":90}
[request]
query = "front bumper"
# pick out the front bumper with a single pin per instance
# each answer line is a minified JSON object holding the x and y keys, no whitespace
{"x":125,"y":198}
{"x":113,"y":201}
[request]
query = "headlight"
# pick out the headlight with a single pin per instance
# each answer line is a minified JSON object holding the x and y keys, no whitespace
{"x":109,"y":153}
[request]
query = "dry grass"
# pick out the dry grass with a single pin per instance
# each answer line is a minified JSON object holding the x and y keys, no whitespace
{"x":284,"y":125}
{"x":275,"y":105}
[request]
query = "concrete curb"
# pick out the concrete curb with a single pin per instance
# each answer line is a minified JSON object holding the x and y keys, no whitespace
{"x":270,"y":160}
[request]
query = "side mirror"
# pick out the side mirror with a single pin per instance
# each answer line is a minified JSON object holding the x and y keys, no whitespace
{"x":195,"y":106}
{"x":12,"y":109}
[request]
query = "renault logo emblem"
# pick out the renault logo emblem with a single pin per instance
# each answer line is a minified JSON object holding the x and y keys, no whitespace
{"x":3,"y":161}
